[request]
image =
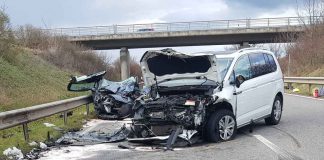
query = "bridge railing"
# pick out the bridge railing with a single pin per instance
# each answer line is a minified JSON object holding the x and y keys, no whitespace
{"x":186,"y":26}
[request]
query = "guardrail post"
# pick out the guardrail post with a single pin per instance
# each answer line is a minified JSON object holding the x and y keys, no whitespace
{"x":309,"y":89}
{"x":248,"y":23}
{"x":25,"y":129}
{"x":65,"y":117}
{"x":88,"y":109}
{"x":228,"y":24}
{"x":289,"y":86}
{"x":288,"y":22}
{"x":115,"y":29}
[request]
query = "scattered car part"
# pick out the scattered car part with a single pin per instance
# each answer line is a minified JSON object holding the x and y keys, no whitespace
{"x":77,"y":138}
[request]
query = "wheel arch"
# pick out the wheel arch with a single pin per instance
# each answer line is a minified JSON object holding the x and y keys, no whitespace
{"x":280,"y":95}
{"x":221,"y":105}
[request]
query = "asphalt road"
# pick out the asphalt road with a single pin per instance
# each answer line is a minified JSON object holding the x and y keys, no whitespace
{"x":300,"y":135}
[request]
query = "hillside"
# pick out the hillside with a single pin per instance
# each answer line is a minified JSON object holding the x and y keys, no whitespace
{"x":29,"y":80}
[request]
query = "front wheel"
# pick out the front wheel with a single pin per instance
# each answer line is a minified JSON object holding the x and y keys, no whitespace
{"x":221,"y":126}
{"x":276,"y":112}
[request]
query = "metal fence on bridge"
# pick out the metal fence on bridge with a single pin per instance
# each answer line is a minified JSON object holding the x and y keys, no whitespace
{"x":186,"y":26}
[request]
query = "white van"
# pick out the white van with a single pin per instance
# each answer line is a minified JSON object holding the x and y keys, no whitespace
{"x":213,"y":93}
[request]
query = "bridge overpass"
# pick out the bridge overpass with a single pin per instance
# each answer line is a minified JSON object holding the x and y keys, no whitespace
{"x":217,"y":32}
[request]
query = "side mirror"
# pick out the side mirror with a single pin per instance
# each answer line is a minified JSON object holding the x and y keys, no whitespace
{"x":79,"y":87}
{"x":239,"y":80}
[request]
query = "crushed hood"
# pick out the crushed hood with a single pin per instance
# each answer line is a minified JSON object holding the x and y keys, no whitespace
{"x":168,"y":64}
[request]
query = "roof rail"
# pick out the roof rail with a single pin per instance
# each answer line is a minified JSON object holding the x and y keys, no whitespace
{"x":252,"y":48}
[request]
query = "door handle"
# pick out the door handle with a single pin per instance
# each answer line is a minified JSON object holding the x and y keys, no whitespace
{"x":237,"y":93}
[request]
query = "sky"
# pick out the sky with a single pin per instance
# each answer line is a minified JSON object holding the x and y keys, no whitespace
{"x":79,"y":13}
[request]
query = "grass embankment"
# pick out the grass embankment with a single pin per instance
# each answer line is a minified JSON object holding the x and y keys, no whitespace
{"x":29,"y":80}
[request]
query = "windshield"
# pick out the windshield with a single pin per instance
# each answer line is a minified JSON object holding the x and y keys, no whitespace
{"x":223,"y":65}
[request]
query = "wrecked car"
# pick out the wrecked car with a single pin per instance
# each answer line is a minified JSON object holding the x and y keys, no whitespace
{"x":112,"y":100}
{"x":211,"y":93}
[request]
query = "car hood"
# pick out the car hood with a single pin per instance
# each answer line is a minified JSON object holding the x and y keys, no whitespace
{"x":167,"y":64}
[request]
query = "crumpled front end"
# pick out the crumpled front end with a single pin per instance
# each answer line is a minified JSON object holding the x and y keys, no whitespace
{"x":161,"y":116}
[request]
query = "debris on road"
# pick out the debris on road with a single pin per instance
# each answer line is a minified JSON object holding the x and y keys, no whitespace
{"x":49,"y":124}
{"x":42,"y":145}
{"x":13,"y":153}
{"x":95,"y":137}
{"x":33,"y":143}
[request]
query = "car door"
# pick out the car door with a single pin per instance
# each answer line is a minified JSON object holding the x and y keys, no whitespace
{"x":263,"y":82}
{"x":245,"y":94}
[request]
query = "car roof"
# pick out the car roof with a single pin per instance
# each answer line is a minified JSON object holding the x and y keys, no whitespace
{"x":237,"y":53}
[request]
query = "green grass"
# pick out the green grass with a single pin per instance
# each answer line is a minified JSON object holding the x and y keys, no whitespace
{"x":38,"y":131}
{"x":27,"y":81}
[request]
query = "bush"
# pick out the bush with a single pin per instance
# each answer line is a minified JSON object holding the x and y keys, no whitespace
{"x":307,"y":54}
{"x":7,"y":40}
{"x":60,"y":52}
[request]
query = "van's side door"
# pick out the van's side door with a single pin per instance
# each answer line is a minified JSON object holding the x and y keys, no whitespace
{"x":264,"y":84}
{"x":245,"y":93}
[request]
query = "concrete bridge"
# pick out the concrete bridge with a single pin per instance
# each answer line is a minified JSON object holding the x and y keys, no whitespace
{"x":218,"y":32}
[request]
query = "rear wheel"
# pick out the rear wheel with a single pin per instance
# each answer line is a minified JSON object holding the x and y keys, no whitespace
{"x":276,"y":113}
{"x":221,"y":126}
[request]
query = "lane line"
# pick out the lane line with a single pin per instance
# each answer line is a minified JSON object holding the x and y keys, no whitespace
{"x":319,"y":99}
{"x":282,"y":154}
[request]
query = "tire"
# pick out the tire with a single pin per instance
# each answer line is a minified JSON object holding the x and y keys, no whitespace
{"x":213,"y":129}
{"x":276,"y":112}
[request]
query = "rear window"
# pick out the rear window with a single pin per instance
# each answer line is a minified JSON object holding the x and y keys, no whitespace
{"x":272,"y":63}
{"x":162,"y":65}
{"x":258,"y":64}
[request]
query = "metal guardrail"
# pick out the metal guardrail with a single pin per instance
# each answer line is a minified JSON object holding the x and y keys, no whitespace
{"x":305,"y":80}
{"x":186,"y":26}
{"x":23,"y":116}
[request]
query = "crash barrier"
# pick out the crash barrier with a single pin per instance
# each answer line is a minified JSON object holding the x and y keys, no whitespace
{"x":305,"y":80}
{"x":74,"y":33}
{"x":23,"y":116}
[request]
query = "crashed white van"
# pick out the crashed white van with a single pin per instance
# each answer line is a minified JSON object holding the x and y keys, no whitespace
{"x":212,"y":93}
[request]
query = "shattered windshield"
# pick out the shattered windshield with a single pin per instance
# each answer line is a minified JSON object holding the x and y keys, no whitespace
{"x":223,"y":65}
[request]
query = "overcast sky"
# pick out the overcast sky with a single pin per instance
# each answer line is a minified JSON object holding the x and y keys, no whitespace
{"x":76,"y":13}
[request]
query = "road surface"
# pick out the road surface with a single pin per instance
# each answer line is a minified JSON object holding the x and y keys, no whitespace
{"x":300,"y":135}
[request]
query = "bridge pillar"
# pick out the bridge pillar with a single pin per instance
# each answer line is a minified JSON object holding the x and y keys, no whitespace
{"x":244,"y":45}
{"x":124,"y":63}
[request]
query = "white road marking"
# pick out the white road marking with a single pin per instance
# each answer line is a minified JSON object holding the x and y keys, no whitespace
{"x":319,"y":99}
{"x":280,"y":152}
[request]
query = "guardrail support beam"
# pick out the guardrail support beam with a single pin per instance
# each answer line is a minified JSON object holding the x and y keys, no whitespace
{"x":310,"y":89}
{"x":26,"y":134}
{"x":65,"y":117}
{"x":124,"y":63}
{"x":88,"y":109}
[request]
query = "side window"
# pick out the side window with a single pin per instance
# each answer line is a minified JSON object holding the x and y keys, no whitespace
{"x":243,"y":67}
{"x":268,"y":65}
{"x":272,"y":63}
{"x":258,"y":64}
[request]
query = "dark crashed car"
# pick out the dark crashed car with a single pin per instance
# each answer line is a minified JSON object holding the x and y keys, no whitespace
{"x":112,"y":100}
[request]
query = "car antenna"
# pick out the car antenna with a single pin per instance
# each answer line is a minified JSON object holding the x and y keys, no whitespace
{"x":157,"y":87}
